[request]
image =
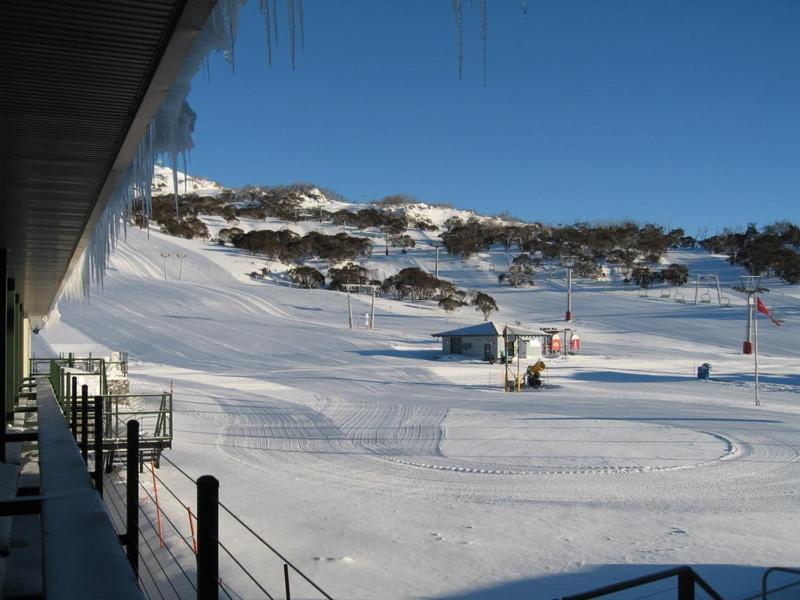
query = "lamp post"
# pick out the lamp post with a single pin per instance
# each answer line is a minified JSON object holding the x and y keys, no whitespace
{"x":569,"y":263}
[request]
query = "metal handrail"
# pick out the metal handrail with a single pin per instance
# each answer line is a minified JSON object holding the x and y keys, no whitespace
{"x":160,"y":414}
{"x":764,"y":591}
{"x":687,"y":578}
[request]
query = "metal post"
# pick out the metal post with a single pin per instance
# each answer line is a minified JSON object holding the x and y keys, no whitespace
{"x":8,"y":390}
{"x":165,"y":256}
{"x":436,"y":271}
{"x":505,"y":349}
{"x":17,"y":354}
{"x":755,"y":351}
{"x":686,"y":585}
{"x":286,"y":581}
{"x":349,"y":309}
{"x":74,"y":407}
{"x":98,"y":444}
{"x":372,"y":312}
{"x":132,"y":496}
{"x":207,"y":538}
{"x":3,"y":353}
{"x":85,"y":423}
{"x":180,"y":258}
{"x":569,"y":294}
{"x":747,"y":346}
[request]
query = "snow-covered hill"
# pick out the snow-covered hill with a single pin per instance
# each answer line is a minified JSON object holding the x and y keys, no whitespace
{"x":164,"y":181}
{"x":367,"y":458}
{"x":386,"y":470}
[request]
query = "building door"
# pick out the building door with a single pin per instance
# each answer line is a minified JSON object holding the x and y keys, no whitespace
{"x":523,"y":348}
{"x":455,"y":345}
{"x":487,"y":351}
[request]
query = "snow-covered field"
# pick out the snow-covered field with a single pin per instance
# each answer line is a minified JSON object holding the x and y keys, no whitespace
{"x":386,"y":472}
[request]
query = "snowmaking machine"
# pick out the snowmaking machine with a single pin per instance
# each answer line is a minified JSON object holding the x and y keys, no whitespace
{"x":534,"y":374}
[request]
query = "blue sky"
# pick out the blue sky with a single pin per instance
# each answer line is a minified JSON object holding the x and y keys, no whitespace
{"x":682,"y":112}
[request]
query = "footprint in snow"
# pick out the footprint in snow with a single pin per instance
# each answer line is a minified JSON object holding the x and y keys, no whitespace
{"x":345,"y":559}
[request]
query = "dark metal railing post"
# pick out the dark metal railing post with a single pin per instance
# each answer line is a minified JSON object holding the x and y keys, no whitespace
{"x":98,"y":444}
{"x":74,"y":408}
{"x":85,"y":423}
{"x":286,"y":581}
{"x":132,"y":496}
{"x":686,"y":585}
{"x":207,"y":538}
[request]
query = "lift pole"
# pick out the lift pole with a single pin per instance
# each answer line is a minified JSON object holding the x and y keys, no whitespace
{"x":569,"y":263}
{"x":165,"y":256}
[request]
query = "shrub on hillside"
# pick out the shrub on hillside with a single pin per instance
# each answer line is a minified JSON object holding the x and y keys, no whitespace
{"x":287,"y":246}
{"x":773,"y":250}
{"x":416,"y":284}
{"x":451,"y":303}
{"x":349,"y":273}
{"x":402,"y":241}
{"x":306,"y":277}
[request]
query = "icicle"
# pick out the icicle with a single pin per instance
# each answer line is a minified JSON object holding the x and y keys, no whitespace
{"x":524,"y":9}
{"x":185,"y":155}
{"x":232,"y":37}
{"x":170,"y":135}
{"x":483,"y":38}
{"x":301,"y":15}
{"x":173,"y":161}
{"x":459,"y":15}
{"x":275,"y":20}
{"x":290,"y":11}
{"x":267,"y":29}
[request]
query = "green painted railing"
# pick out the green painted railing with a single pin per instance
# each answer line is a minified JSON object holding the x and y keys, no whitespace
{"x":153,"y":411}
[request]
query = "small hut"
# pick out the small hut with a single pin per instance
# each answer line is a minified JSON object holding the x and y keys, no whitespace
{"x":486,"y":341}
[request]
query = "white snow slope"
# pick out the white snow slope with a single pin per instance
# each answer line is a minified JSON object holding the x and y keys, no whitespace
{"x":385,"y":471}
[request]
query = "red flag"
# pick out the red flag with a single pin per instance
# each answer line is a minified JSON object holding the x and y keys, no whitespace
{"x":763,"y":309}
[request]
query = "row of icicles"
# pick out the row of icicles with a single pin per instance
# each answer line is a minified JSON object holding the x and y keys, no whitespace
{"x":294,"y":11}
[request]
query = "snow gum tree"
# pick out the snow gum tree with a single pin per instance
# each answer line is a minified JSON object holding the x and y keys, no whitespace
{"x":306,"y":277}
{"x":484,"y":303}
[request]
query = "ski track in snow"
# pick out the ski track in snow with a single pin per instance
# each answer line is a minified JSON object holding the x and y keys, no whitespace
{"x":274,"y":380}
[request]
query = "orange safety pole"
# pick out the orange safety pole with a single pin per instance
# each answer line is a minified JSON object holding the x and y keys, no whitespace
{"x":158,"y":508}
{"x":191,"y":528}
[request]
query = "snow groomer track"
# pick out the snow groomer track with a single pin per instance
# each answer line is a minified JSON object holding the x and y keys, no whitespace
{"x":367,"y":458}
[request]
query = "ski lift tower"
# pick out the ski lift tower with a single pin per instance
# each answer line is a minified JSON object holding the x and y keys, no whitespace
{"x":751,"y":285}
{"x":437,"y":245}
{"x":569,"y":263}
{"x":348,"y":287}
{"x":359,"y":287}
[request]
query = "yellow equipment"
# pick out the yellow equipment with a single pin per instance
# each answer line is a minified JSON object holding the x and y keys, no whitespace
{"x":534,"y":374}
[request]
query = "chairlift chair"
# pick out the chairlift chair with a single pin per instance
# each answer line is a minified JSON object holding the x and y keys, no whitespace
{"x":642,"y":292}
{"x":705,"y":298}
{"x":679,"y":297}
{"x":666,"y":292}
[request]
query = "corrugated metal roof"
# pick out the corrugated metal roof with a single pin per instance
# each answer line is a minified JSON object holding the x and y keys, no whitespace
{"x":488,"y":328}
{"x":76,"y":78}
